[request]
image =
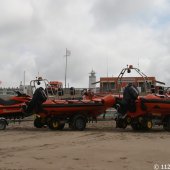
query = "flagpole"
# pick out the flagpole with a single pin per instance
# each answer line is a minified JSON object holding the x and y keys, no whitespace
{"x":66,"y":70}
{"x":68,"y":53}
{"x":24,"y":82}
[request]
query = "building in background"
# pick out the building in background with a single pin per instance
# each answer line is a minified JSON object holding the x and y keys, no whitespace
{"x":92,"y":81}
{"x":8,"y":91}
{"x":27,"y":89}
{"x":111,"y":84}
{"x":11,"y":90}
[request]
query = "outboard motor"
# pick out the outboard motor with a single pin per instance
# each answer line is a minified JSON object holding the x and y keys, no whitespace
{"x":130,"y":95}
{"x":38,"y":98}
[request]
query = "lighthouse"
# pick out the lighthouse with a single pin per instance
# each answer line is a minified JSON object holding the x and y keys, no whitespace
{"x":92,"y":80}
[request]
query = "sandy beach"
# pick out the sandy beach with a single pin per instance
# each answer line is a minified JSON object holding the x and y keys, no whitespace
{"x":100,"y":147}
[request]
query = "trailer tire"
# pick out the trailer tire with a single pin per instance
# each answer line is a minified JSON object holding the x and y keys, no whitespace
{"x":38,"y":123}
{"x":3,"y":124}
{"x":121,"y":123}
{"x":55,"y":125}
{"x":148,"y":125}
{"x":79,"y":122}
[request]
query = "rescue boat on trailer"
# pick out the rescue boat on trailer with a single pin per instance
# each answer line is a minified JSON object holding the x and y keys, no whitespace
{"x":52,"y":112}
{"x":142,"y":112}
{"x":11,"y":109}
{"x":55,"y":113}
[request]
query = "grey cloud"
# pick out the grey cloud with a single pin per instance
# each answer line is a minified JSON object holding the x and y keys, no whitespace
{"x":110,"y":13}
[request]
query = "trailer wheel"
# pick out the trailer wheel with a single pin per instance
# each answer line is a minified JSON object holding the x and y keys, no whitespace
{"x":121,"y":123}
{"x":148,"y":125}
{"x":3,"y":124}
{"x":78,"y":122}
{"x":166,"y":124}
{"x":55,"y":125}
{"x":38,"y":123}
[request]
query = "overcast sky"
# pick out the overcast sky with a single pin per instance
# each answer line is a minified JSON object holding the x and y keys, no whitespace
{"x":104,"y":35}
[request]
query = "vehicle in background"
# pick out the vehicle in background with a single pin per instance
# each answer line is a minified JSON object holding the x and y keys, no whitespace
{"x":54,"y":86}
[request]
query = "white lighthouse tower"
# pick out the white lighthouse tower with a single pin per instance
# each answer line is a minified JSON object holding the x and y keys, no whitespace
{"x":92,"y":80}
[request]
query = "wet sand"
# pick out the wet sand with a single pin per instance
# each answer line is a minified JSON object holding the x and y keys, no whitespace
{"x":100,"y":147}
